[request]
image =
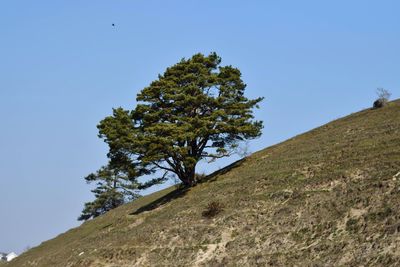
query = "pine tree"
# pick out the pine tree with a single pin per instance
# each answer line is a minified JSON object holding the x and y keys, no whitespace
{"x":113,"y":189}
{"x":116,"y":184}
{"x":196,"y":110}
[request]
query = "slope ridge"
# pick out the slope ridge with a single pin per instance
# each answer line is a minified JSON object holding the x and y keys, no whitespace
{"x":326,"y":197}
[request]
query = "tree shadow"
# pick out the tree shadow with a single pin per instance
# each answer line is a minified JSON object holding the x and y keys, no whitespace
{"x":213,"y":176}
{"x":181,"y":190}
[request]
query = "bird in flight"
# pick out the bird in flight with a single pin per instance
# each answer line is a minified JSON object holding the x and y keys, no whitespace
{"x":113,"y":25}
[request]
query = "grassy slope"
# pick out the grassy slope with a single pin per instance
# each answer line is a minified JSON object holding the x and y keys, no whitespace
{"x":326,"y":197}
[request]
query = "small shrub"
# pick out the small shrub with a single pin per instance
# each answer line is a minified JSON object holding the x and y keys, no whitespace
{"x":200,"y":176}
{"x":213,"y":208}
{"x":352,"y":225}
{"x":380,"y":215}
{"x":379,"y":103}
{"x":383,"y":98}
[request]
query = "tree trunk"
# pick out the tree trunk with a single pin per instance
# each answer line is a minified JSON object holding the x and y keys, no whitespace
{"x":189,"y":178}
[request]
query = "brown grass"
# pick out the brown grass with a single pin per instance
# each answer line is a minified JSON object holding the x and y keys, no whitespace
{"x":328,"y":197}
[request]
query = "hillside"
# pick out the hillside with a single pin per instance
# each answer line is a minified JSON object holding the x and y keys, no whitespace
{"x":328,"y":197}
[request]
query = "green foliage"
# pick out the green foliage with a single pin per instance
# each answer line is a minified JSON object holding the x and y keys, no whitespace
{"x":116,"y":184}
{"x":113,"y":188}
{"x":196,"y":110}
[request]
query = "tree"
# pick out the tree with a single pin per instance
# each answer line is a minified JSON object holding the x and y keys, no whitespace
{"x":116,"y":184}
{"x":112,"y":190}
{"x":196,"y":110}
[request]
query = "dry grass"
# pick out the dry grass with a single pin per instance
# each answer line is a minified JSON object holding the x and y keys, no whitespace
{"x":328,"y":197}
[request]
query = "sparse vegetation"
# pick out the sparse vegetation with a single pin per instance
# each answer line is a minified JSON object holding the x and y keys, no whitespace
{"x":379,"y":215}
{"x":327,"y":197}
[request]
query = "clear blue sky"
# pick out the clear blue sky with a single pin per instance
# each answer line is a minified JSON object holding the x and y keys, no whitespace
{"x":63,"y":67}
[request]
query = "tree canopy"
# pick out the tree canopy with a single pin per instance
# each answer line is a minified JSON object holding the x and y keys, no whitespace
{"x":195,"y":110}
